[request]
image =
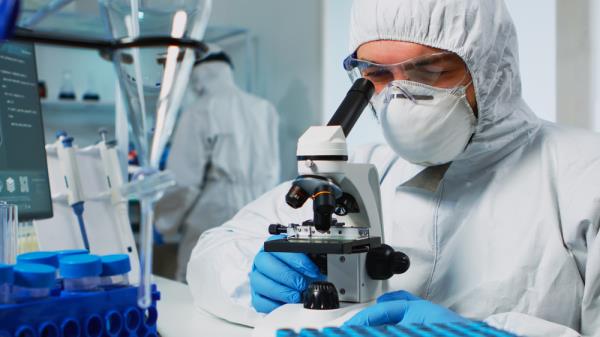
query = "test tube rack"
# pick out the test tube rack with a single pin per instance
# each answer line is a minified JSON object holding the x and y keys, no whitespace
{"x":472,"y":329}
{"x":108,"y":313}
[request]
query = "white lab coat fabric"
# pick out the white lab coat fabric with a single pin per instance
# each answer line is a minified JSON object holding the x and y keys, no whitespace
{"x":510,"y":234}
{"x":224,"y":154}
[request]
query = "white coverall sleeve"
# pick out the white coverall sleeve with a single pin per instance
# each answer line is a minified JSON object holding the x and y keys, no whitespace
{"x":530,"y":326}
{"x":579,"y":197}
{"x":221,"y":261}
{"x":187,"y":161}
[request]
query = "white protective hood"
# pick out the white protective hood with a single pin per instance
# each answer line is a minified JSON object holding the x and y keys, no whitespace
{"x":488,"y":47}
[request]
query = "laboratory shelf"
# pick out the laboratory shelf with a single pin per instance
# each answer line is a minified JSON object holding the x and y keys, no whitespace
{"x":82,"y":120}
{"x":89,"y":24}
{"x":88,"y":107}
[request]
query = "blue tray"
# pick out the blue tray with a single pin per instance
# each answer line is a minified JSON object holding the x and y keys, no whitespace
{"x":109,"y":313}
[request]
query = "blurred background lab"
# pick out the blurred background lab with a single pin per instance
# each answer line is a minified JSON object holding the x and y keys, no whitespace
{"x":224,"y":154}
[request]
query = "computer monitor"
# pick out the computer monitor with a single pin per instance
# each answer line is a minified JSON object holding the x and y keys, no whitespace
{"x":23,"y":168}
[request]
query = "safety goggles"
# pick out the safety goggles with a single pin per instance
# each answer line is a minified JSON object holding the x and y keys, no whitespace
{"x":442,"y":70}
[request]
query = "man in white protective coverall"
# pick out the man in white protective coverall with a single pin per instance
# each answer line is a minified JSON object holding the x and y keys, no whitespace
{"x":224,"y":154}
{"x":497,"y":210}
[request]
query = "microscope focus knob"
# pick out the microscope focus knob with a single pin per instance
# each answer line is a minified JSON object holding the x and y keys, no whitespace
{"x":321,"y":296}
{"x":277,"y":229}
{"x":383,"y":263}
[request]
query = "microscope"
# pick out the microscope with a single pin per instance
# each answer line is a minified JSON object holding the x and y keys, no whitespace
{"x":345,"y":236}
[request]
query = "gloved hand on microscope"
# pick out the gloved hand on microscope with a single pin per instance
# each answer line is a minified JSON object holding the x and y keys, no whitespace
{"x":280,"y":278}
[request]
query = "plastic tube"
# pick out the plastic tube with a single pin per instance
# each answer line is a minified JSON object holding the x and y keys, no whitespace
{"x":9,"y":221}
{"x":81,"y":273}
{"x":146,"y":232}
{"x":115,"y":269}
{"x":70,"y":252}
{"x":45,"y":258}
{"x":33,"y":282}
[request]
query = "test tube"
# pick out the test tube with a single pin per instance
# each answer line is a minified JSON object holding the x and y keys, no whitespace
{"x":33,"y":281}
{"x":80,"y":273}
{"x":9,"y":220}
{"x":70,"y":252}
{"x":115,"y":269}
{"x":6,"y":282}
{"x":45,"y":258}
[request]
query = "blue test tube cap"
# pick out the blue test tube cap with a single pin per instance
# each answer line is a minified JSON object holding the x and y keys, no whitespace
{"x":31,"y":275}
{"x":47,"y":258}
{"x":7,"y":274}
{"x":117,"y":264}
{"x":70,"y":252}
{"x":77,"y":266}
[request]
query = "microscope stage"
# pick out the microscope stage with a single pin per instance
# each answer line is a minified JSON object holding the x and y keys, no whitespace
{"x":322,"y":246}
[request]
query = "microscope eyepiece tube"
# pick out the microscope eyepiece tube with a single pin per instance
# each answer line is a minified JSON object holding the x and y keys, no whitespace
{"x":353,"y":105}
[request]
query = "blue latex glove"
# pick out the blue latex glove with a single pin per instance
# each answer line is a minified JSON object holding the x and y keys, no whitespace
{"x":402,"y":307}
{"x":280,"y":278}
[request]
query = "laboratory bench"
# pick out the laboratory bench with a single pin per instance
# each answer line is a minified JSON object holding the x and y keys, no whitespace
{"x":178,"y":317}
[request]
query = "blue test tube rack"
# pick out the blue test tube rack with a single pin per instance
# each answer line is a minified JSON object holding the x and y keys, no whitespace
{"x":471,"y":329}
{"x":108,"y":313}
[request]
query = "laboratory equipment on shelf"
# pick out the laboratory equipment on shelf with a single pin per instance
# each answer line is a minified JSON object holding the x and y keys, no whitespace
{"x":67,"y":88}
{"x":70,"y":169}
{"x":9,"y":221}
{"x":345,"y":236}
{"x":91,"y":92}
{"x":106,"y":215}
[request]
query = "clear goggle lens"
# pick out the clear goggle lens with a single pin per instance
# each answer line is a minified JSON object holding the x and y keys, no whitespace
{"x":442,"y":70}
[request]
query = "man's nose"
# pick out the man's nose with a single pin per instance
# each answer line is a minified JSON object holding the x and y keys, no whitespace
{"x":399,"y":75}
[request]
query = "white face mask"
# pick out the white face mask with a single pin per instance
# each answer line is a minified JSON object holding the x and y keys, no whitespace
{"x":433,"y":129}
